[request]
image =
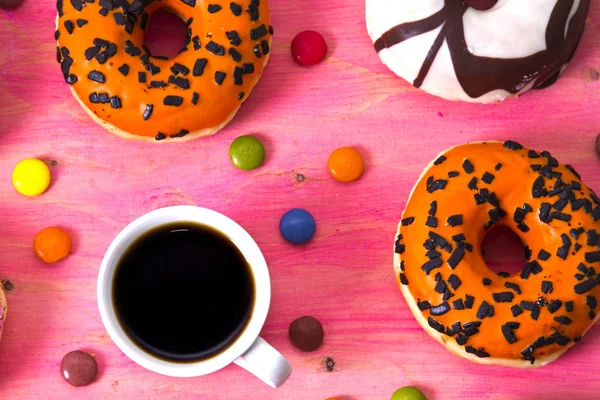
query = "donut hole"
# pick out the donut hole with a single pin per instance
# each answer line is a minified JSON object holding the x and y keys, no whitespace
{"x":165,"y":34}
{"x":503,"y":251}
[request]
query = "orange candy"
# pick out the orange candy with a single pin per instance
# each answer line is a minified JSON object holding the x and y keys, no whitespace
{"x":52,"y":244}
{"x":346,"y":164}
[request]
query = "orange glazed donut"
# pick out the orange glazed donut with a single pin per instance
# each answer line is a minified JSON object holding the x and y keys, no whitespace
{"x":527,"y":319}
{"x":139,"y":96}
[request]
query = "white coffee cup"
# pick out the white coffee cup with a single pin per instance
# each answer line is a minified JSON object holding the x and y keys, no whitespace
{"x":249,"y":350}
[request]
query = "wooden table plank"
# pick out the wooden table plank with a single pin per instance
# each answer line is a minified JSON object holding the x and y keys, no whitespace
{"x":344,"y":277}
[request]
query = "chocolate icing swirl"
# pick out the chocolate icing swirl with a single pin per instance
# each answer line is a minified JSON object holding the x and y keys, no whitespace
{"x":480,"y":75}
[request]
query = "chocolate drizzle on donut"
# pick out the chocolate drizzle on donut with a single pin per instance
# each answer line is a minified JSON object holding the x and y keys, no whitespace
{"x":480,"y":75}
{"x":555,"y":197}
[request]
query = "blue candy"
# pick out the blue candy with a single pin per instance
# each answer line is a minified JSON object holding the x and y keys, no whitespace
{"x":297,"y":226}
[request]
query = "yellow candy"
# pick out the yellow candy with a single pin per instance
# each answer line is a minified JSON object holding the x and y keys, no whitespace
{"x":31,"y":177}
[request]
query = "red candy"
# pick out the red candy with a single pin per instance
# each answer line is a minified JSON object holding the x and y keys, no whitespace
{"x":309,"y":48}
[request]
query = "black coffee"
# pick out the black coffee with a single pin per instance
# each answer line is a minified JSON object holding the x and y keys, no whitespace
{"x":183,"y":292}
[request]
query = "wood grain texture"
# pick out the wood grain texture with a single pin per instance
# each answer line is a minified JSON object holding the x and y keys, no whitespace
{"x":344,"y":277}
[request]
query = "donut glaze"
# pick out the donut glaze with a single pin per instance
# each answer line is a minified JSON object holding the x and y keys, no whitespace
{"x":476,"y":50}
{"x":139,"y":96}
{"x":527,"y":319}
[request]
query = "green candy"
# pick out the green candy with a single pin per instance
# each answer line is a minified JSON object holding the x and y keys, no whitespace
{"x":408,"y":393}
{"x":247,"y":152}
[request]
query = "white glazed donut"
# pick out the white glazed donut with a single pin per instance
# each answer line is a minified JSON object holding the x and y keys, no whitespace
{"x":479,"y":51}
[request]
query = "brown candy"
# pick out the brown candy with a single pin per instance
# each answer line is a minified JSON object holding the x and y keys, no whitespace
{"x":306,"y":333}
{"x":79,"y":368}
{"x":10,"y":3}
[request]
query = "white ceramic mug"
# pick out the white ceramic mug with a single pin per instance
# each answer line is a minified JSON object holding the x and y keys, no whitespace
{"x":249,"y":351}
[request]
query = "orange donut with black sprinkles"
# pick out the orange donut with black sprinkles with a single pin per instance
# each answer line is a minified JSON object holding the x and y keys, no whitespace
{"x":525,"y":319}
{"x":136,"y":95}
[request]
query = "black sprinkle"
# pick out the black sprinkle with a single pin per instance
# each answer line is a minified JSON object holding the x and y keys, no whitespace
{"x":453,"y":174}
{"x":148,"y":112}
{"x":258,"y":33}
{"x":181,"y":133}
{"x":592,"y":256}
{"x":498,"y":167}
{"x":485,"y":310}
{"x":96,"y":76}
{"x":538,"y":187}
{"x":199,"y":66}
{"x":455,"y":220}
{"x":454,"y":281}
{"x":486,"y":281}
{"x":256,"y":51}
{"x":513,"y":286}
{"x":124,"y":69}
{"x":579,"y":277}
{"x":533,"y":154}
{"x":81,"y":22}
{"x":119,"y":18}
{"x":440,"y":310}
{"x":511,"y":145}
{"x":408,"y":221}
{"x":195,"y":98}
{"x":585,"y":286}
{"x":440,"y":286}
{"x":69,"y":26}
{"x":469,"y":300}
{"x":439,"y":184}
{"x":142,"y":77}
{"x":564,"y":320}
{"x":591,"y":302}
{"x":440,"y":160}
{"x":436,"y":325}
{"x":215,"y":48}
{"x":456,"y":257}
{"x":115,"y":102}
{"x":431,"y":265}
{"x":179,"y":82}
{"x":173,"y":101}
{"x":431,"y":222}
{"x":503,"y":274}
{"x":543,"y":255}
{"x":554,"y":306}
{"x":403,"y":279}
{"x":160,"y":136}
{"x":546,"y":287}
{"x":507,"y":331}
{"x":191,"y":3}
{"x":569,"y":305}
{"x":503,"y":297}
{"x":236,"y":9}
{"x":177,"y":69}
{"x":458,"y":304}
{"x":560,"y":216}
{"x":516,"y":310}
{"x":468,"y":167}
{"x":528,"y":305}
{"x":432,"y":208}
{"x":158,"y":84}
{"x":241,"y":95}
{"x":213,"y":8}
{"x":133,"y":51}
{"x":535,"y":314}
{"x":233,"y":38}
{"x":459,"y":238}
{"x":248,"y":68}
{"x":487,"y":178}
{"x":235,"y":55}
{"x":423,"y":305}
{"x":220,"y":77}
{"x":197,"y":44}
{"x":461,"y":339}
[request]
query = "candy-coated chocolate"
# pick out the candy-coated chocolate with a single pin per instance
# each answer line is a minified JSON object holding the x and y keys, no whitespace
{"x":306,"y":333}
{"x":135,"y":95}
{"x":247,"y":152}
{"x":297,"y":226}
{"x":346,"y":164}
{"x":31,"y":177}
{"x":309,"y":48}
{"x":525,"y":319}
{"x":408,"y":393}
{"x":52,"y":244}
{"x":79,"y":368}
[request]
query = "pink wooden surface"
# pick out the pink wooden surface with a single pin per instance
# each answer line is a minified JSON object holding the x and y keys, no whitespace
{"x":344,"y":277}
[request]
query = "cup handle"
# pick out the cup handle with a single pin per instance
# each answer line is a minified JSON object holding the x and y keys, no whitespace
{"x":266,"y":363}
